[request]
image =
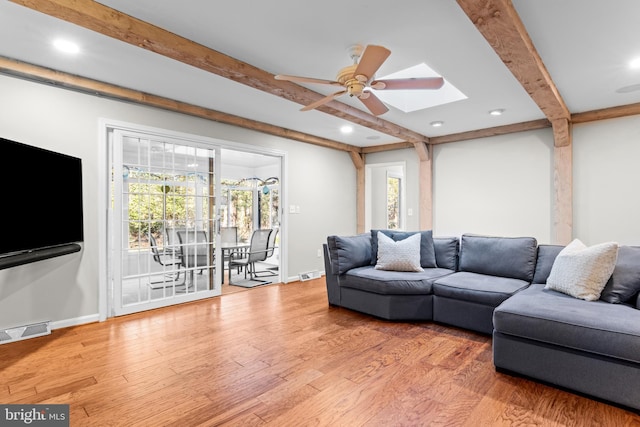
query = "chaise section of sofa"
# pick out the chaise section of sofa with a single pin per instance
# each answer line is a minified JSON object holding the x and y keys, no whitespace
{"x":353,"y":281}
{"x":592,"y":347}
{"x":491,"y":269}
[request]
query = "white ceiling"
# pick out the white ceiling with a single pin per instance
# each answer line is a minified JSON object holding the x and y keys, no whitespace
{"x":585,"y":46}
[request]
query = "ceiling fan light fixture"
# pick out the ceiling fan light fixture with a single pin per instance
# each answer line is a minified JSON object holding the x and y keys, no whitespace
{"x":357,"y":81}
{"x":497,"y":112}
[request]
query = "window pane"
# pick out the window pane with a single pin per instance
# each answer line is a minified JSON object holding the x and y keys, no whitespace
{"x":393,"y":203}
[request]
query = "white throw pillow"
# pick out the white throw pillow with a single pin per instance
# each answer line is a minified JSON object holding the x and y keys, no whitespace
{"x":582,"y":271}
{"x":403,"y":255}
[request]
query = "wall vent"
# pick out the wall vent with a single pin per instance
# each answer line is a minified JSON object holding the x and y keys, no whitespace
{"x":309,"y":275}
{"x":23,"y":332}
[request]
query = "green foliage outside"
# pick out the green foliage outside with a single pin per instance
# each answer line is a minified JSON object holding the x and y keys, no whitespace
{"x":393,"y":203}
{"x":154,"y":205}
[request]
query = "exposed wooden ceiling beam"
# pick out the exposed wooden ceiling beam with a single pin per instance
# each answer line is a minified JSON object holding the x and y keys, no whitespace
{"x":94,"y":87}
{"x":386,"y":147}
{"x":606,"y":113}
{"x":110,"y":22}
{"x":500,"y":24}
{"x":498,"y":130}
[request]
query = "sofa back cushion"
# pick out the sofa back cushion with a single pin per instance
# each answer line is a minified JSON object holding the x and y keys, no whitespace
{"x":427,"y":251}
{"x":624,"y":283}
{"x":546,"y":256}
{"x":349,"y":252}
{"x":513,"y":257}
{"x":446,"y":252}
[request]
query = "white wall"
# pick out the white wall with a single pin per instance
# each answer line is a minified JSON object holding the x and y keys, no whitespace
{"x":321,"y":181}
{"x":606,"y":178}
{"x":501,"y":185}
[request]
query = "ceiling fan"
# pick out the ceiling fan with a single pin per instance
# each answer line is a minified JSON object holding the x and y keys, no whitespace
{"x":356,"y":79}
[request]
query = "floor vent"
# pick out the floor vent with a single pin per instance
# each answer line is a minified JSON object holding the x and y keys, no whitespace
{"x":24,"y":332}
{"x":309,"y":275}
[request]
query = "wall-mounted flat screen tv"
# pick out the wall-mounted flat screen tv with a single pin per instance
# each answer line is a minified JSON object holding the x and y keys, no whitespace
{"x":41,"y":199}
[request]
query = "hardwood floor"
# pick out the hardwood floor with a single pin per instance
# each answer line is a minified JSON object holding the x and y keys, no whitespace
{"x":279,"y":355}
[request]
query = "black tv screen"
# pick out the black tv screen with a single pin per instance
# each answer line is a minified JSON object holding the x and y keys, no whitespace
{"x":41,"y":198}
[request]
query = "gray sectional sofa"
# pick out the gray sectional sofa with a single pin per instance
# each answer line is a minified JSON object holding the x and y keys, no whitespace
{"x":496,"y":285}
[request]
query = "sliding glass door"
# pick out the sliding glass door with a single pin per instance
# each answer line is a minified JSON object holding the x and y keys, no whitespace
{"x":165,"y":224}
{"x":171,"y":199}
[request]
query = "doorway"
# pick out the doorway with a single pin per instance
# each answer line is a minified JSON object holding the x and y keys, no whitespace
{"x":385,"y":195}
{"x":168,"y":202}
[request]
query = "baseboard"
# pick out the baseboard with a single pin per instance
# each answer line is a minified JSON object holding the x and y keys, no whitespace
{"x":82,"y":320}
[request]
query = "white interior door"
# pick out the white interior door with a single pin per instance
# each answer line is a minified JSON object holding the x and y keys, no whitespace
{"x":165,"y":224}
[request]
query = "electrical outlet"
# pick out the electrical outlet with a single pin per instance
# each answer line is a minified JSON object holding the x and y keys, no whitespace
{"x":292,"y":209}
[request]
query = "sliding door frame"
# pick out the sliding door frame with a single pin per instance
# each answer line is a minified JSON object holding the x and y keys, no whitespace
{"x":105,"y":218}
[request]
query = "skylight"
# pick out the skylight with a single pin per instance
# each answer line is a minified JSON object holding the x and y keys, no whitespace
{"x":413,"y":100}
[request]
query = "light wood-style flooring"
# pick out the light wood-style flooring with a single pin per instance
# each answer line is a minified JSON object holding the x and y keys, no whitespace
{"x":278,"y":355}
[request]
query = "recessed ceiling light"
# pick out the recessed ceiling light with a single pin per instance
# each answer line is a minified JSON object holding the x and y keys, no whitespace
{"x":635,"y":64}
{"x":437,"y":123}
{"x":497,"y":112}
{"x":373,"y":137}
{"x":66,"y":46}
{"x":346,"y":129}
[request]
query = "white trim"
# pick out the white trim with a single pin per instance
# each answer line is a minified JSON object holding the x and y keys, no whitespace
{"x":184,"y":136}
{"x":105,"y":221}
{"x":284,"y":217}
{"x":368,"y":191}
{"x":82,"y":320}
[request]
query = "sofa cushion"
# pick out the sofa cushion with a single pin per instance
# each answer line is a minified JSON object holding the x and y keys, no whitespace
{"x":392,"y":282}
{"x":403,"y":255}
{"x":552,"y":317}
{"x":427,"y":250}
{"x":513,"y":257}
{"x":478,"y":288}
{"x":446,"y":249}
{"x":349,"y":252}
{"x":624,"y":283}
{"x":546,"y":256}
{"x":582,"y":271}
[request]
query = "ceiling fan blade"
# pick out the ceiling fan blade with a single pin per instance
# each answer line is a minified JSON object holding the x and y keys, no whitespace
{"x":411,"y":83}
{"x":371,"y":60}
{"x":373,"y":103}
{"x":323,"y":100}
{"x":298,"y":79}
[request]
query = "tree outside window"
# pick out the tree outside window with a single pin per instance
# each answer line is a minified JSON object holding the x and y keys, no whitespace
{"x":393,"y":202}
